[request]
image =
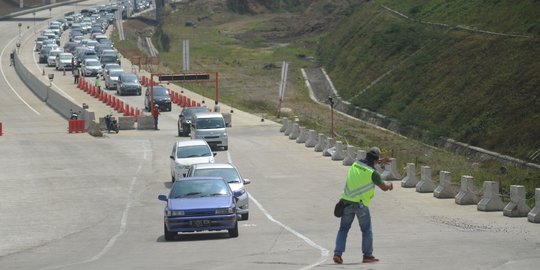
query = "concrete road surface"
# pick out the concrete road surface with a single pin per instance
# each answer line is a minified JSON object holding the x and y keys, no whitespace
{"x":73,"y":201}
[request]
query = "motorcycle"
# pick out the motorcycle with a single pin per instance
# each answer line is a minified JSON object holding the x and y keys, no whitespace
{"x":74,"y":115}
{"x":111,"y":123}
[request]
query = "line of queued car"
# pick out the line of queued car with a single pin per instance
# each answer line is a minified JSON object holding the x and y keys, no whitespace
{"x":192,"y":208}
{"x":88,"y":48}
{"x":204,"y":196}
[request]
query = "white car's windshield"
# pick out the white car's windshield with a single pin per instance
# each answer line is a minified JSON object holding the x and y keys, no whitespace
{"x":210,"y":123}
{"x":193,"y":151}
{"x":229,"y":174}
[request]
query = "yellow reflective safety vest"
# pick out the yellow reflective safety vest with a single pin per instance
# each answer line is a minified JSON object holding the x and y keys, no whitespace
{"x":359,"y":186}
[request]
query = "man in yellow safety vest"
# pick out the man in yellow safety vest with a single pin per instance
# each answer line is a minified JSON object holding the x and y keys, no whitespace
{"x":359,"y":190}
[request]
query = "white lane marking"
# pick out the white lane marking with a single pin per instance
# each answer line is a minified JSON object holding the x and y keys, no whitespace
{"x":9,"y":84}
{"x":324,"y":251}
{"x":123,"y":221}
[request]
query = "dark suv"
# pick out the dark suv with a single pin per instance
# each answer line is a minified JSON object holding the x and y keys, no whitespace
{"x":184,"y":119}
{"x":128,"y":83}
{"x":162,"y":98}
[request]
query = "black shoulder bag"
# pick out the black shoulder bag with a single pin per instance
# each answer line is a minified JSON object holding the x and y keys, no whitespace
{"x":338,"y":209}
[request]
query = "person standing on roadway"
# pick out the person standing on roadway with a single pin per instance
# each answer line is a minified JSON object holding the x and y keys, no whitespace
{"x":155,"y":114}
{"x":217,"y":108}
{"x":76,"y":74}
{"x":98,"y":84}
{"x":357,"y":194}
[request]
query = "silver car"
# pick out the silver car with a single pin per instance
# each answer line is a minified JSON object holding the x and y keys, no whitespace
{"x":91,"y":67}
{"x":231,"y":174}
{"x":108,"y":67}
{"x":111,"y":78}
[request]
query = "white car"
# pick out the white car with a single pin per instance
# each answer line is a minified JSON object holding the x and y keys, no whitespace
{"x":51,"y":58}
{"x":110,"y":66}
{"x":186,"y":153}
{"x":63,"y":61}
{"x":230,"y":174}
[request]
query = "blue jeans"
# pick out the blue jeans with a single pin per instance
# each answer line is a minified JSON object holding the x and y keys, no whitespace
{"x":364,"y":219}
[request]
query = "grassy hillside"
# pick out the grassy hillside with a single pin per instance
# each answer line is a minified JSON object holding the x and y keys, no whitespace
{"x":248,"y":50}
{"x":477,"y":88}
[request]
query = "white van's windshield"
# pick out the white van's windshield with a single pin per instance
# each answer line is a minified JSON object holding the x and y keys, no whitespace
{"x":210,"y":123}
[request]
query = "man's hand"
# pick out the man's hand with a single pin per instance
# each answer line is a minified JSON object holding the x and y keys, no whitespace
{"x":384,"y":161}
{"x":386,"y":186}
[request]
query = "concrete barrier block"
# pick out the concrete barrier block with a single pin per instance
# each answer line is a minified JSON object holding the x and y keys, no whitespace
{"x":285,"y":123}
{"x":102,"y":125}
{"x":534,"y":214}
{"x":228,"y":118}
{"x":145,"y":122}
{"x":339,"y":154}
{"x":295,"y":131}
{"x":289,"y":128}
{"x":491,"y":200}
{"x":390,"y":171}
{"x":350,"y":155}
{"x":517,"y":207}
{"x":304,"y":134}
{"x":360,"y":155}
{"x":312,"y":139}
{"x":126,"y":122}
{"x":319,"y":147}
{"x":328,"y":143}
{"x":445,"y":190}
{"x":467,"y":192}
{"x":410,"y":180}
{"x":426,"y":183}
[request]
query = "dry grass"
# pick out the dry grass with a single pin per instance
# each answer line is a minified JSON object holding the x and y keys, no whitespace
{"x":248,"y":60}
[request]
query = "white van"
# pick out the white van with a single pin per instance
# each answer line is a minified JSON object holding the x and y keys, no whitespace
{"x":210,"y":126}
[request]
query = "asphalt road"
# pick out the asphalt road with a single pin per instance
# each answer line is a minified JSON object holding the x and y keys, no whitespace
{"x":73,"y":201}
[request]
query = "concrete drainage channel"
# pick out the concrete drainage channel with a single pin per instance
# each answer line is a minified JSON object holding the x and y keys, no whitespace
{"x":488,"y":199}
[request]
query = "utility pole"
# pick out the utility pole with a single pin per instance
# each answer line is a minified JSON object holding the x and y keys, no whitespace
{"x":331,"y":100}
